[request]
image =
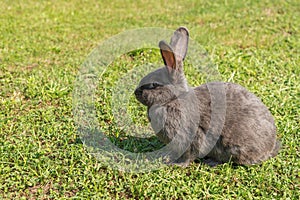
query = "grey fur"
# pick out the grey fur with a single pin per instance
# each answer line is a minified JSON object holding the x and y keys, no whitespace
{"x":248,"y":135}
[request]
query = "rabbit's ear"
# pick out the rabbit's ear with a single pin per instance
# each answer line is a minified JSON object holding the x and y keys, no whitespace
{"x":179,"y":43}
{"x":167,"y":55}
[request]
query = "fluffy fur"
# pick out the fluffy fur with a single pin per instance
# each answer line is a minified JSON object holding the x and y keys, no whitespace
{"x":182,"y":115}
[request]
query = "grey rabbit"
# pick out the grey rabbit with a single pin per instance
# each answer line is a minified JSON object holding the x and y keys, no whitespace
{"x":176,"y":110}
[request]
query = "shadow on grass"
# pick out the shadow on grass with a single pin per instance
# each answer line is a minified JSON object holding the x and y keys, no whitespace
{"x":130,"y":147}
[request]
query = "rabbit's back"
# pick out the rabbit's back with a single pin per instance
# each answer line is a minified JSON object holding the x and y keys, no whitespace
{"x":249,"y":132}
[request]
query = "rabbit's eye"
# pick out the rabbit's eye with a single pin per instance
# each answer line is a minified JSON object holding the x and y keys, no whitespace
{"x":150,"y":86}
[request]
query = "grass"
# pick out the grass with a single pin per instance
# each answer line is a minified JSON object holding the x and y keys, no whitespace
{"x":44,"y":43}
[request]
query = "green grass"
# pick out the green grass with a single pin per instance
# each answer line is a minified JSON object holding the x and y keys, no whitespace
{"x":44,"y":43}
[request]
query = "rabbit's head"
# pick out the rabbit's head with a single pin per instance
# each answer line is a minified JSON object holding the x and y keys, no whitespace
{"x":168,"y":82}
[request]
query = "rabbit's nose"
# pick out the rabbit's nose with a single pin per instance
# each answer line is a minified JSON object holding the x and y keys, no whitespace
{"x":138,"y":91}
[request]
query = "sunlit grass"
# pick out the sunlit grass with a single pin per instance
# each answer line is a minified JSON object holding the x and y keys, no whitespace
{"x":43,"y":44}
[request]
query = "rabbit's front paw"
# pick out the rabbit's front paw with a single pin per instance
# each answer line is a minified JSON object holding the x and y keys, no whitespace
{"x":183,"y":161}
{"x":211,"y":162}
{"x":181,"y":164}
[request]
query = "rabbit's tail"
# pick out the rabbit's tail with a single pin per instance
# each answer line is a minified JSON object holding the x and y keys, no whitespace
{"x":276,"y":148}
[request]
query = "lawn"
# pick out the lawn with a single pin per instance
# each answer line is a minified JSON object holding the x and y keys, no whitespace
{"x":43,"y":45}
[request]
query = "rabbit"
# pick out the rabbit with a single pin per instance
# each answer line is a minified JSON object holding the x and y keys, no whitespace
{"x":176,"y":110}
